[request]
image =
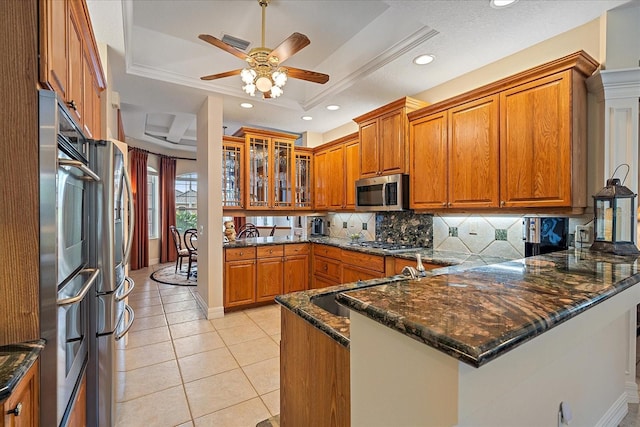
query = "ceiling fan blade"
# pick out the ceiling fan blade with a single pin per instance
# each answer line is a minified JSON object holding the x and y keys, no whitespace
{"x":267,"y":95}
{"x":292,"y":44}
{"x":222,"y":45}
{"x":221,"y":75}
{"x":310,"y":76}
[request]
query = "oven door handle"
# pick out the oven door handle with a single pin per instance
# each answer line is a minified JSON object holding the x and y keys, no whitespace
{"x":85,"y":288}
{"x":126,"y":293}
{"x":119,"y":336}
{"x":127,"y":249}
{"x":79,"y":165}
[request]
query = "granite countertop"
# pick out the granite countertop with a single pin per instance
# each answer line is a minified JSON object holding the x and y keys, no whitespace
{"x":481,"y":313}
{"x":15,"y":361}
{"x":337,"y":327}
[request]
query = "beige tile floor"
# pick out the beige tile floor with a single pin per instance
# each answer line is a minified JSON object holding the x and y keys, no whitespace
{"x":180,"y":369}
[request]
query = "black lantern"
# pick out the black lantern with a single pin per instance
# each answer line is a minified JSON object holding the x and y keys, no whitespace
{"x":614,"y":219}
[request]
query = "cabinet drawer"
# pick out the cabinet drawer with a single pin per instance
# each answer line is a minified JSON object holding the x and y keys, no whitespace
{"x":328,"y":268}
{"x":355,"y":274}
{"x":296,"y":249}
{"x":327,"y":251}
{"x":270,"y":251}
{"x":400,"y":263}
{"x":373,"y":262}
{"x":237,"y":254}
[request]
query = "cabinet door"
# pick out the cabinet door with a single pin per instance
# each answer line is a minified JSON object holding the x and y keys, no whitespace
{"x":88,"y":103}
{"x":283,"y":167}
{"x":428,"y":164}
{"x":239,"y":283}
{"x":392,"y":149}
{"x":54,"y":15}
{"x":269,"y":278}
{"x":535,"y":143}
{"x":232,"y":176}
{"x":320,"y":180}
{"x":303,"y":180}
{"x":76,"y":68}
{"x":369,"y":155}
{"x":320,"y":282}
{"x":296,"y":273}
{"x":352,"y":172}
{"x":473,"y":154}
{"x":258,"y":172}
{"x":335,"y":161}
{"x":24,"y":397}
{"x":355,"y":274}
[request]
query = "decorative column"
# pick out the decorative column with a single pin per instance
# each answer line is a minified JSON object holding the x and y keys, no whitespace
{"x":616,"y":140}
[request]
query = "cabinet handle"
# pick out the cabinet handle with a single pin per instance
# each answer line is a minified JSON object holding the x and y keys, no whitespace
{"x":270,"y":251}
{"x":449,"y":204}
{"x":444,"y":204}
{"x":241,"y":253}
{"x":72,"y":105}
{"x":16,"y":411}
{"x":325,"y":267}
{"x":502,"y":203}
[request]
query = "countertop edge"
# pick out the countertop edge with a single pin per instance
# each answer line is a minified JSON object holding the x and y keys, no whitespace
{"x":15,"y":364}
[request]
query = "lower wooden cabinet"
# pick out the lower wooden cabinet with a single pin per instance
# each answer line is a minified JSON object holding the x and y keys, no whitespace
{"x":239,"y":277}
{"x":21,"y":408}
{"x":399,"y":263}
{"x":296,"y":267}
{"x":269,"y":279}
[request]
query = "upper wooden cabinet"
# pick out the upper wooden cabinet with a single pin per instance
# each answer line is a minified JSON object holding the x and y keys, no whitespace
{"x":383,"y":138}
{"x":232,"y":177}
{"x":303,"y":176}
{"x":69,"y":60}
{"x":517,"y":143}
{"x":269,"y":169}
{"x":337,"y":169}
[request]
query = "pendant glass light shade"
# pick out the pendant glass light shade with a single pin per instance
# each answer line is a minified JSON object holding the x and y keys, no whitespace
{"x":264,"y":84}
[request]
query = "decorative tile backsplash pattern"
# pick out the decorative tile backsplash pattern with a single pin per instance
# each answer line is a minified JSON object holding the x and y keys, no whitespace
{"x":355,"y":223}
{"x":405,"y":227}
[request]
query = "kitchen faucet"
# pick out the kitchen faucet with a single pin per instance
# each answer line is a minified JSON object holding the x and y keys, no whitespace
{"x":410,"y":271}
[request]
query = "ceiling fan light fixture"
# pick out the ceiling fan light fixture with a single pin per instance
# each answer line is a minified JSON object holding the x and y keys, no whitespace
{"x":279,"y":77}
{"x":248,"y":75}
{"x":250,"y":89}
{"x":264,"y":84}
{"x":276,"y":91}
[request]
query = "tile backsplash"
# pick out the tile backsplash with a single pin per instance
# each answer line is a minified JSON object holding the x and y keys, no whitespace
{"x":345,"y":224}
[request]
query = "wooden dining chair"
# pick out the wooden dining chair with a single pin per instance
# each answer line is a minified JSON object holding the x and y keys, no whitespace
{"x":248,"y":230}
{"x":191,"y":244}
{"x":182,"y":252}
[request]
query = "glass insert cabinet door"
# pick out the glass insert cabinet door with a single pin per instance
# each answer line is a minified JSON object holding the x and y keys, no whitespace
{"x":302,"y":178}
{"x":283,"y":179}
{"x":232,"y":175}
{"x":258,"y":160}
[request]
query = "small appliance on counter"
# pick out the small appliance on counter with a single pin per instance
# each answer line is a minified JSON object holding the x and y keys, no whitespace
{"x":318,"y":226}
{"x":545,"y":234}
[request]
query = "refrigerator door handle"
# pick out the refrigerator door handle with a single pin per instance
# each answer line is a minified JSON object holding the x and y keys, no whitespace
{"x":127,"y":250}
{"x":79,"y":165}
{"x":120,"y":335}
{"x":126,"y":293}
{"x":85,"y":288}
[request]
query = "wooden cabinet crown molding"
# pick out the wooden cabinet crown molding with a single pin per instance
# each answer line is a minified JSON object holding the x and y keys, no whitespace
{"x":347,"y":138}
{"x":243,"y":131}
{"x":579,"y":61}
{"x":410,"y":103}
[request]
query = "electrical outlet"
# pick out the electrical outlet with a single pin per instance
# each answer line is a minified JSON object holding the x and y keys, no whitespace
{"x":584,"y":235}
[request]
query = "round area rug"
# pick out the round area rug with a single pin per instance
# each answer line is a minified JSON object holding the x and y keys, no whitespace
{"x":168,"y":276}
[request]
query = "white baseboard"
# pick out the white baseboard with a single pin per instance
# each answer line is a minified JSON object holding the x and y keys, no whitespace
{"x":210,"y":312}
{"x":615,"y":413}
{"x":631,"y":387}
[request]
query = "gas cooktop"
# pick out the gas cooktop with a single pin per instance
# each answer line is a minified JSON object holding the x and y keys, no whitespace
{"x":389,"y":247}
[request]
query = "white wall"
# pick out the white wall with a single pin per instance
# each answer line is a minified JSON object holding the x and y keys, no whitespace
{"x":623,"y":37}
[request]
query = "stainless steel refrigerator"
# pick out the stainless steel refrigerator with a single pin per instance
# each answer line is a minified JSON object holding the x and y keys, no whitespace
{"x":111,"y":318}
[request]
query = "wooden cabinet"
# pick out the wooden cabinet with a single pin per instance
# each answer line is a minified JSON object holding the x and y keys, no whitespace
{"x":269,"y":169}
{"x":314,"y":376}
{"x":21,"y":408}
{"x":358,"y":266}
{"x":337,"y":169}
{"x":333,"y":266}
{"x":303,"y":176}
{"x":232,"y":177}
{"x":517,"y":143}
{"x":239,"y":276}
{"x":269,"y":279}
{"x":383,"y":138}
{"x":69,"y":60}
{"x":296,"y":267}
{"x":399,"y":263}
{"x":327,"y":266}
{"x":536,"y":143}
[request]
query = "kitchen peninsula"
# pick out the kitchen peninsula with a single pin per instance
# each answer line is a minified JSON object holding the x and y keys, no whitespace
{"x":505,"y":343}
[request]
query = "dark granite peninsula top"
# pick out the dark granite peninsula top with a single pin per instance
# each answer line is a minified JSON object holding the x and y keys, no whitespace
{"x":337,"y":327}
{"x":480,"y":314}
{"x":15,"y":361}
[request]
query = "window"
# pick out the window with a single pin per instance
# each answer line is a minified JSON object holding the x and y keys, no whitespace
{"x":186,"y":201}
{"x":153,"y":202}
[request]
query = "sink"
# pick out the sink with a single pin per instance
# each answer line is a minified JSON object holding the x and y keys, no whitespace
{"x":328,"y":303}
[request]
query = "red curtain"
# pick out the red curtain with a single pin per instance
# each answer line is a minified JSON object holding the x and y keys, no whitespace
{"x":167,"y":208}
{"x":239,"y":221}
{"x":140,"y":238}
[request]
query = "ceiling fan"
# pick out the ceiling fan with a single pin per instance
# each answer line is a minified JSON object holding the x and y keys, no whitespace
{"x":264,"y":71}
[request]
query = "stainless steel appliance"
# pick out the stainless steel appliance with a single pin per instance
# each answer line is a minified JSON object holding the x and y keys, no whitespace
{"x":318,"y":227}
{"x":83,"y":256}
{"x":383,"y":193}
{"x":111,"y":316}
{"x":543,"y":235}
{"x":67,"y":276}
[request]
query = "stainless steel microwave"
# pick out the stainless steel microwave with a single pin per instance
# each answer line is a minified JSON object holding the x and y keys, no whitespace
{"x":383,"y":193}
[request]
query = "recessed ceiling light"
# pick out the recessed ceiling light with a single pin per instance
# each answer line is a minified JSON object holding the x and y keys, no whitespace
{"x":499,"y":4}
{"x":423,"y":59}
{"x":246,"y":105}
{"x":307,"y":118}
{"x":333,"y":107}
